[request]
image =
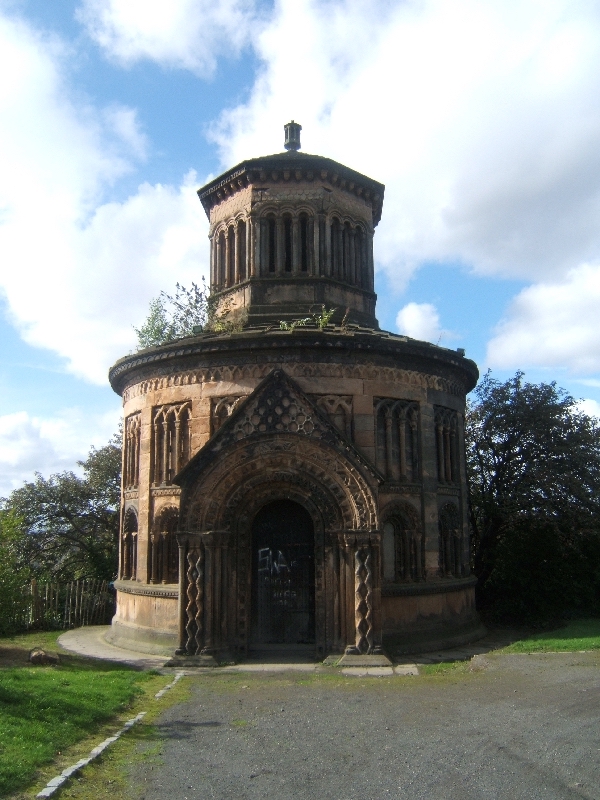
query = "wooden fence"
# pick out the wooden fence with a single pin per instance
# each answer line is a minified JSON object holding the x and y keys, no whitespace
{"x":66,"y":605}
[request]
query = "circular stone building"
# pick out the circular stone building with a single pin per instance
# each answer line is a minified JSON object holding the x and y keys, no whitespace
{"x":294,"y":485}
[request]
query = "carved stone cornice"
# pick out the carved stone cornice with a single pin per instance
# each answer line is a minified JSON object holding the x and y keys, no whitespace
{"x":165,"y":491}
{"x":293,"y":168}
{"x":450,"y":491}
{"x":230,"y":373}
{"x":147,"y":590}
{"x":349,"y":539}
{"x":390,"y":487}
{"x":130,"y":494}
{"x":425,"y":587}
{"x":303,"y":352}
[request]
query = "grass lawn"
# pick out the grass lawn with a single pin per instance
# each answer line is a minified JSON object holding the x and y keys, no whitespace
{"x":44,"y":710}
{"x":580,"y":634}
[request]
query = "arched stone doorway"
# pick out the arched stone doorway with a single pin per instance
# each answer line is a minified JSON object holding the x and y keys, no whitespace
{"x":283,"y":576}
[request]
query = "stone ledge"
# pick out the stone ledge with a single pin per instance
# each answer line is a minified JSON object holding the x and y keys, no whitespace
{"x":348,"y":660}
{"x":424,"y":588}
{"x":148,"y":590}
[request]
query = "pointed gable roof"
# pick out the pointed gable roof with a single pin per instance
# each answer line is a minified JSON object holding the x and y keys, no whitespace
{"x":277,"y":406}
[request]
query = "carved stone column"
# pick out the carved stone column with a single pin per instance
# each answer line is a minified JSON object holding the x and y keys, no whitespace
{"x":154,"y":539}
{"x":203,"y":584}
{"x":237,"y":254}
{"x":295,"y":245}
{"x":359,"y":592}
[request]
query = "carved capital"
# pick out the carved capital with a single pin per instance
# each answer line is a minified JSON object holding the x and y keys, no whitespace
{"x":216,"y":538}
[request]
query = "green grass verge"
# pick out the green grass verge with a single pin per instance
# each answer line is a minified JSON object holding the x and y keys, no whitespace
{"x":444,"y":668}
{"x":109,"y":777}
{"x":580,"y":634}
{"x":45,"y":710}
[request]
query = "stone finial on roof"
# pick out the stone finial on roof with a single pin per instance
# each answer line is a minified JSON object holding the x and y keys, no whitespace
{"x":292,"y":135}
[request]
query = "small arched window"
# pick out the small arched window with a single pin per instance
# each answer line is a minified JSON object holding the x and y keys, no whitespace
{"x":221,"y":265}
{"x":231,"y":256}
{"x":271,"y":242}
{"x":129,"y":546}
{"x":172,"y":441}
{"x":335,"y":247}
{"x":163,"y":553}
{"x":403,"y":548}
{"x":241,"y":240}
{"x":347,"y":253}
{"x":287,"y":243}
{"x":304,"y":242}
{"x":358,"y":249}
{"x":451,"y":556}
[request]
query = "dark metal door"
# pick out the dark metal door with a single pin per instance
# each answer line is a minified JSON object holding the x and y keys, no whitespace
{"x":283,"y":575}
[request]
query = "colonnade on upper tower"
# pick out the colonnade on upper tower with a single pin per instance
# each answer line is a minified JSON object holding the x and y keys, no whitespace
{"x":292,"y":230}
{"x":286,"y":242}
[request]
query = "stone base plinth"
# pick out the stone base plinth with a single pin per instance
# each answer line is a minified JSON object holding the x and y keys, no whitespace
{"x":349,"y":660}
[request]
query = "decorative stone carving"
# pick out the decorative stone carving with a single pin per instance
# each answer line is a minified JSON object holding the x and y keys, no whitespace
{"x":338,"y":409}
{"x":162,"y":555}
{"x":203,"y":592}
{"x":288,"y":235}
{"x":397,"y":446}
{"x":131,"y":445}
{"x":403,"y":543}
{"x":171,"y":439}
{"x":446,"y":424}
{"x":221,"y":409}
{"x":359,"y":590}
{"x":451,"y":554}
{"x":235,"y":372}
{"x":129,"y":545}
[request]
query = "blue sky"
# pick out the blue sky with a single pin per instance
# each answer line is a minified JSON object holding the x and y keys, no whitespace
{"x":482,"y":119}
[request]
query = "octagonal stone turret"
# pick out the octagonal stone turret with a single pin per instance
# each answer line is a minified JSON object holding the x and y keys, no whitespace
{"x":289,"y":233}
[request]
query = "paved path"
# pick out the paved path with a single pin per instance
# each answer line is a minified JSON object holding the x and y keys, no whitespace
{"x":90,"y":641}
{"x":514,"y":728}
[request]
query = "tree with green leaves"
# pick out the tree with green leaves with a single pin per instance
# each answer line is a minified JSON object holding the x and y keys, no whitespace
{"x":533,"y":463}
{"x":14,"y":572}
{"x":186,"y":313}
{"x":71,"y":524}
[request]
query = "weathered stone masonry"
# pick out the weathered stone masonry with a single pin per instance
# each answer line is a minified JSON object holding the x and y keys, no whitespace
{"x":359,"y":430}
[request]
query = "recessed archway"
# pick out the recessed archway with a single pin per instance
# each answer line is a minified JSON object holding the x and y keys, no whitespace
{"x":283,"y":576}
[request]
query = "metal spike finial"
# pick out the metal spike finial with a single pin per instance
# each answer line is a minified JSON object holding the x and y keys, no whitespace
{"x":292,"y":135}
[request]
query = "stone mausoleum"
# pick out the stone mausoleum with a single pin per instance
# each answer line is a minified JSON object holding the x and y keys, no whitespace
{"x":288,"y":485}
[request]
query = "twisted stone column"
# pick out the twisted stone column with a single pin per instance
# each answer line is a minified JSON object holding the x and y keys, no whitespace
{"x":360,"y":591}
{"x":203,"y":581}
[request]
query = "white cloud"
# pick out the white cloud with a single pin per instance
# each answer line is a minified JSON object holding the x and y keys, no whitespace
{"x":77,"y":272}
{"x":420,"y":321}
{"x":32,"y":444}
{"x":189,"y":34}
{"x":551,"y":325}
{"x":481,"y":118}
{"x":589,"y":407}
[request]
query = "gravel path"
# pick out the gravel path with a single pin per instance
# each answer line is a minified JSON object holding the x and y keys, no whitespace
{"x":520,"y":727}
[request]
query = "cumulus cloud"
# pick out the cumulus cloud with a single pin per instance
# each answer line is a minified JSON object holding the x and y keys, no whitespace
{"x":552,"y":324}
{"x":77,"y":271}
{"x":188,"y":34}
{"x":420,"y":321}
{"x":480,"y":117}
{"x":47,"y":445}
{"x":589,"y":407}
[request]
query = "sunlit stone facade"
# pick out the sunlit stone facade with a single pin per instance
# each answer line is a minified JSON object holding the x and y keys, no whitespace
{"x":301,"y":488}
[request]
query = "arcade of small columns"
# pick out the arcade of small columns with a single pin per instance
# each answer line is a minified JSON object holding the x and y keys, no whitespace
{"x":291,"y":243}
{"x":397,"y":457}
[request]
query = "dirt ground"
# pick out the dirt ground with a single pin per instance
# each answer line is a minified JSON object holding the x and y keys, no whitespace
{"x":505,"y":726}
